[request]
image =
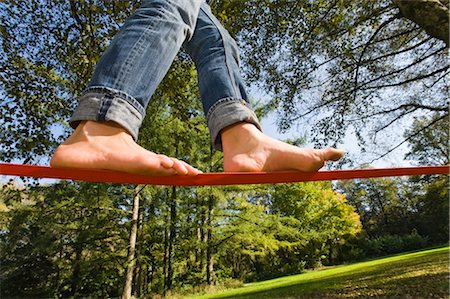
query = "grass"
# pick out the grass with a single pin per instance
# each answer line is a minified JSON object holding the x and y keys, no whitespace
{"x":423,"y":274}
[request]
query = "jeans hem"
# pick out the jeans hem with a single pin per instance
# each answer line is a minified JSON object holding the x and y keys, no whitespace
{"x":116,"y":93}
{"x":104,"y":104}
{"x":226,"y":112}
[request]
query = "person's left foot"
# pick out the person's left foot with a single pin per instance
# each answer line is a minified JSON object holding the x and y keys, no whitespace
{"x":247,"y":149}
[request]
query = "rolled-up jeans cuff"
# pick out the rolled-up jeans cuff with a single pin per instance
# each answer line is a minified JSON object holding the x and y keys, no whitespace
{"x":103,"y":105}
{"x":227,"y":112}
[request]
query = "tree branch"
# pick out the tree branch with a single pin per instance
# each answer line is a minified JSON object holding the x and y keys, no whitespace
{"x":316,"y":67}
{"x":437,"y":80}
{"x":223,"y":240}
{"x":401,"y":69}
{"x":366,"y":46}
{"x":404,"y":106}
{"x":409,"y":137}
{"x":416,"y":28}
{"x":409,"y":80}
{"x":394,"y":120}
{"x":398,"y":52}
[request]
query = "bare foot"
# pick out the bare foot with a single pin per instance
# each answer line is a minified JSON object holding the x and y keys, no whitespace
{"x":109,"y":146}
{"x":245,"y":148}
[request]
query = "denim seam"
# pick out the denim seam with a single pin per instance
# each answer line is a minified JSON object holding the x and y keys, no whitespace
{"x":227,"y":58}
{"x":111,"y":92}
{"x":221,"y":101}
{"x":134,"y":52}
{"x":101,"y":108}
{"x":106,"y":102}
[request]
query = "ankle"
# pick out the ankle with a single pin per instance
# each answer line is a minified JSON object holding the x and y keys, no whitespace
{"x":93,"y":128}
{"x":239,"y":133}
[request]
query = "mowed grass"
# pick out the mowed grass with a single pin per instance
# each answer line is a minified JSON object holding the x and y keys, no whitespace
{"x":420,"y":275}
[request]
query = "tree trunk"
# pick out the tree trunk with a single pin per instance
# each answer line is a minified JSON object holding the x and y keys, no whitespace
{"x":209,"y":249}
{"x":145,"y":280}
{"x":76,"y":269}
{"x":198,"y":229}
{"x":201,"y":237}
{"x":165,"y":258}
{"x":431,"y":15}
{"x":172,"y":235}
{"x":132,"y":248}
{"x":139,"y":268}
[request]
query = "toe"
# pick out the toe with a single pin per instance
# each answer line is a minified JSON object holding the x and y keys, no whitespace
{"x":191,"y":170}
{"x":335,"y":154}
{"x":179,"y":167}
{"x":165,"y":161}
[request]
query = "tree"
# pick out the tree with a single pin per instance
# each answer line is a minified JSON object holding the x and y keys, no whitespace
{"x":62,"y":241}
{"x":383,"y":205}
{"x":429,"y":144}
{"x":325,"y":220}
{"x":344,"y":66}
{"x":48,"y":50}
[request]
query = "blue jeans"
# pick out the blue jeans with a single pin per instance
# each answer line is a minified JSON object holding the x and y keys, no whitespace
{"x":140,"y":55}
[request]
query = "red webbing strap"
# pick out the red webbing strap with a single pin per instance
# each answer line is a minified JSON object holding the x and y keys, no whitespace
{"x":212,"y":179}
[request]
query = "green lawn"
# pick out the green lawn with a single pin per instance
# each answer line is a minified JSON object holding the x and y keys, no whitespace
{"x":421,"y":275}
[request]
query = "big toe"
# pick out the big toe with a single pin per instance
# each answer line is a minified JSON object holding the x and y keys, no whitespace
{"x":333,"y":154}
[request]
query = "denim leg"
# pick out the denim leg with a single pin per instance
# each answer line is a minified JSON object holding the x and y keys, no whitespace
{"x":135,"y":62}
{"x":216,"y":57}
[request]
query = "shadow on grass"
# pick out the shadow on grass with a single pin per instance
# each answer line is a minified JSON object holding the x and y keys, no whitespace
{"x":412,"y":287}
{"x":422,"y":277}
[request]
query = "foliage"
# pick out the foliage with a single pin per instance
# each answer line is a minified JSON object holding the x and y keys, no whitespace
{"x":48,"y":50}
{"x":71,"y":239}
{"x":391,"y":209}
{"x":342,"y":66}
{"x":64,"y":240}
{"x":349,"y":64}
{"x":433,"y":209}
{"x":397,"y":214}
{"x":429,"y":145}
{"x":389,"y":244}
{"x":323,"y":219}
{"x":76,"y":234}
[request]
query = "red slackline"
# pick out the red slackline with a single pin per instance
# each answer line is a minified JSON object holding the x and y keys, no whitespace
{"x":212,"y":179}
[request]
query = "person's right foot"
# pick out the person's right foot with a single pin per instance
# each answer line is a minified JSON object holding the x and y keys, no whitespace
{"x":108,"y":146}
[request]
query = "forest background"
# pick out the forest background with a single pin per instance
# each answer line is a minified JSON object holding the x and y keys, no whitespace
{"x":377,"y":70}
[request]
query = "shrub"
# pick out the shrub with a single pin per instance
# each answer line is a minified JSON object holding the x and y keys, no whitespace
{"x":414,"y":241}
{"x":390,"y":244}
{"x":364,"y":247}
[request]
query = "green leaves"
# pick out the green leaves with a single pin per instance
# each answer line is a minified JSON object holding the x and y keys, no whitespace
{"x":429,"y":140}
{"x":49,"y":49}
{"x":60,"y":239}
{"x":335,"y":65}
{"x":348,"y":62}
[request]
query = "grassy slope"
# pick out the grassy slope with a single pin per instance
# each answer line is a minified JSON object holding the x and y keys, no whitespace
{"x":422,"y":274}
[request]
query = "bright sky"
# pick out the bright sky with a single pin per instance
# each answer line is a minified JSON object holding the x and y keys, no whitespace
{"x":350,"y":145}
{"x":394,"y":159}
